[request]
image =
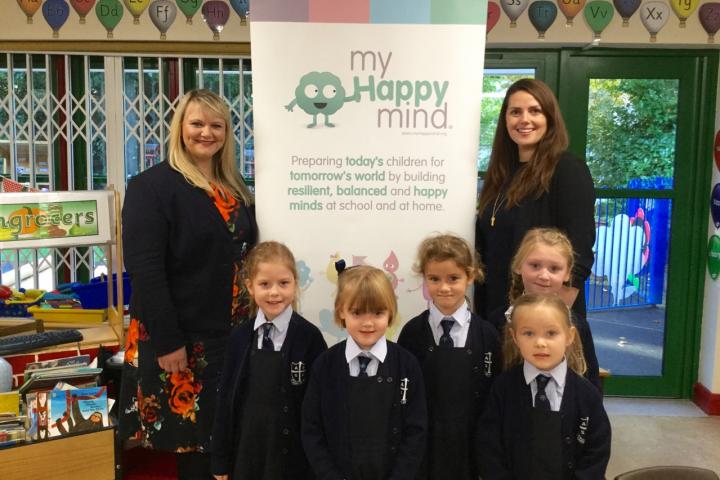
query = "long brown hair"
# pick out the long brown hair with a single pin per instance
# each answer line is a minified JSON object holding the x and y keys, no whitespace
{"x":225,"y":170}
{"x":440,"y":248}
{"x":574,"y":352}
{"x":534,"y":178}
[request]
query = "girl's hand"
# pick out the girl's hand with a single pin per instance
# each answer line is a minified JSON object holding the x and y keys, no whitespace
{"x":568,"y":295}
{"x":174,"y":362}
{"x":221,"y":477}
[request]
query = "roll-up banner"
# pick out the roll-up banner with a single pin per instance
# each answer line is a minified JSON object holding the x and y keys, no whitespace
{"x":366,"y":120}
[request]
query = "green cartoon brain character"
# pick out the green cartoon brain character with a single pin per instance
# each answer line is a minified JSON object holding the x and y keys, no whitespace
{"x":319,"y":93}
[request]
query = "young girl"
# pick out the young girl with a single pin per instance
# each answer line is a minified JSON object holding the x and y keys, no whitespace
{"x":543,"y":264}
{"x":543,"y":419}
{"x":364,"y":415}
{"x":459,"y":354}
{"x":257,"y":425}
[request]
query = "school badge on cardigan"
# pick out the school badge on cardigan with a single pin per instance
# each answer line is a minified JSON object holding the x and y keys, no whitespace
{"x":297,"y":373}
{"x":403,"y":390}
{"x":584,"y":422}
{"x":488,"y":364}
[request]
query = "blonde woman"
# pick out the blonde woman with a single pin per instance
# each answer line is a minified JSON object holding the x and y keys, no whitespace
{"x":187,"y":224}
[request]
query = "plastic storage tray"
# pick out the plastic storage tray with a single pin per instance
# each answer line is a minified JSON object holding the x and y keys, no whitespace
{"x":68,"y":315}
{"x":19,"y":308}
{"x":94,"y":296}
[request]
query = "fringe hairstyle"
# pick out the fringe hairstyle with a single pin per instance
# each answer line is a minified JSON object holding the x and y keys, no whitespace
{"x":225,"y":170}
{"x":550,"y":237}
{"x":440,"y":248}
{"x":573,"y":353}
{"x":269,"y":252}
{"x":366,"y":289}
{"x":534,"y":178}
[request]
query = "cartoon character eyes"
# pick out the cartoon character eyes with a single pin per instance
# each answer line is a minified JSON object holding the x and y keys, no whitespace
{"x":311,"y":90}
{"x":329,"y":91}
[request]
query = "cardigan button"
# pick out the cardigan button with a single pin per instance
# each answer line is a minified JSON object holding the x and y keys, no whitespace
{"x":285,"y":431}
{"x":286,"y":409}
{"x":379,"y":379}
{"x":570,"y":465}
{"x":395,"y":430}
{"x":389,"y":379}
{"x":469,"y":351}
{"x":476,"y":369}
{"x":430,"y":349}
{"x":568,"y":439}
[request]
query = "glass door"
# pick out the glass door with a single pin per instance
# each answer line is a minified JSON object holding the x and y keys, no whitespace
{"x":641,"y":122}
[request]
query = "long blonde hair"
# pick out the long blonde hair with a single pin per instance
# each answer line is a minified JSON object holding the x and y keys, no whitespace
{"x":366,"y":289}
{"x":550,"y":237}
{"x":269,"y":252}
{"x":573,"y":353}
{"x":225,"y":170}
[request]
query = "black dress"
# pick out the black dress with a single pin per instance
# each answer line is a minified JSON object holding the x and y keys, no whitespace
{"x":569,"y":206}
{"x":183,"y":248}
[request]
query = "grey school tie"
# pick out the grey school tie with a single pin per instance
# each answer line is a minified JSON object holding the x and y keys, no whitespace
{"x":446,"y":340}
{"x":541,"y":400}
{"x":363,"y":361}
{"x":267,"y":343}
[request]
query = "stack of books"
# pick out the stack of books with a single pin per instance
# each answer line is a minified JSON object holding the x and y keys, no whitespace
{"x":63,"y":397}
{"x":12,"y":424}
{"x":77,"y":371}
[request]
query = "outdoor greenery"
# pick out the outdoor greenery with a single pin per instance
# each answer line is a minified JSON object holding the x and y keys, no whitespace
{"x":631,"y":132}
{"x":631,"y":128}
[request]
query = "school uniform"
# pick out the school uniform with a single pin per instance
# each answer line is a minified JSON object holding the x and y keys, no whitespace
{"x":520,"y":441}
{"x":358,"y":427}
{"x":499,"y":316}
{"x":256,"y":434}
{"x":457,"y":381}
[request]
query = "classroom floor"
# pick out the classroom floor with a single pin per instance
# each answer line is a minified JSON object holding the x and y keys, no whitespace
{"x":649,"y":432}
{"x":646,"y":432}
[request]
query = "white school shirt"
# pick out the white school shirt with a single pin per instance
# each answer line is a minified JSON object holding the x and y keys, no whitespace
{"x":376,"y":353}
{"x":460,"y":328}
{"x":555,"y":387}
{"x":279,"y":330}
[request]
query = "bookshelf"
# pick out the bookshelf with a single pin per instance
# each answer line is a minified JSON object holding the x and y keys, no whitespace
{"x":97,"y":216}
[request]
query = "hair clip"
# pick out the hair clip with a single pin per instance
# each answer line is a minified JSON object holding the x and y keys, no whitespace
{"x":340,"y":266}
{"x":508,"y":314}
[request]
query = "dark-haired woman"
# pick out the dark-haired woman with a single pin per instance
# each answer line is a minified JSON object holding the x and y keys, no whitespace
{"x":533,"y":181}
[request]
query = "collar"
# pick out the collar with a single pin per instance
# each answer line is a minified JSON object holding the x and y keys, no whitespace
{"x":558,"y":373}
{"x":281,"y":322}
{"x":378,"y":351}
{"x":461,"y":315}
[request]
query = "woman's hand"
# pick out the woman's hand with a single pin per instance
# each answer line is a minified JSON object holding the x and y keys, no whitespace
{"x":174,"y":362}
{"x":568,"y":295}
{"x":220,"y":477}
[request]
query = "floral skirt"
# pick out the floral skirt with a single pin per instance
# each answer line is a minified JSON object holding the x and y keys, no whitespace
{"x":169,"y":412}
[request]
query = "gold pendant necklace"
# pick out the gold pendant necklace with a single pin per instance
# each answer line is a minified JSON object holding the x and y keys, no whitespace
{"x":499,"y":200}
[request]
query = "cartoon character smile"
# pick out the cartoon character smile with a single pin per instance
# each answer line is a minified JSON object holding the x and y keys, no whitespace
{"x":320,"y":93}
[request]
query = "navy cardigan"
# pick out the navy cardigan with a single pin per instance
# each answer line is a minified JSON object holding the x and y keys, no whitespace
{"x":504,"y":440}
{"x":417,"y":337}
{"x":303,"y":343}
{"x":180,"y":255}
{"x":325,"y":414}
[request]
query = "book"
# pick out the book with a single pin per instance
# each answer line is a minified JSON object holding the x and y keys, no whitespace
{"x":38,"y":410}
{"x":76,"y":361}
{"x":10,"y":403}
{"x":78,"y":410}
{"x":46,"y":379}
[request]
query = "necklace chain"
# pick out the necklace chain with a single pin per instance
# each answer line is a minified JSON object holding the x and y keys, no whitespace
{"x":499,"y":200}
